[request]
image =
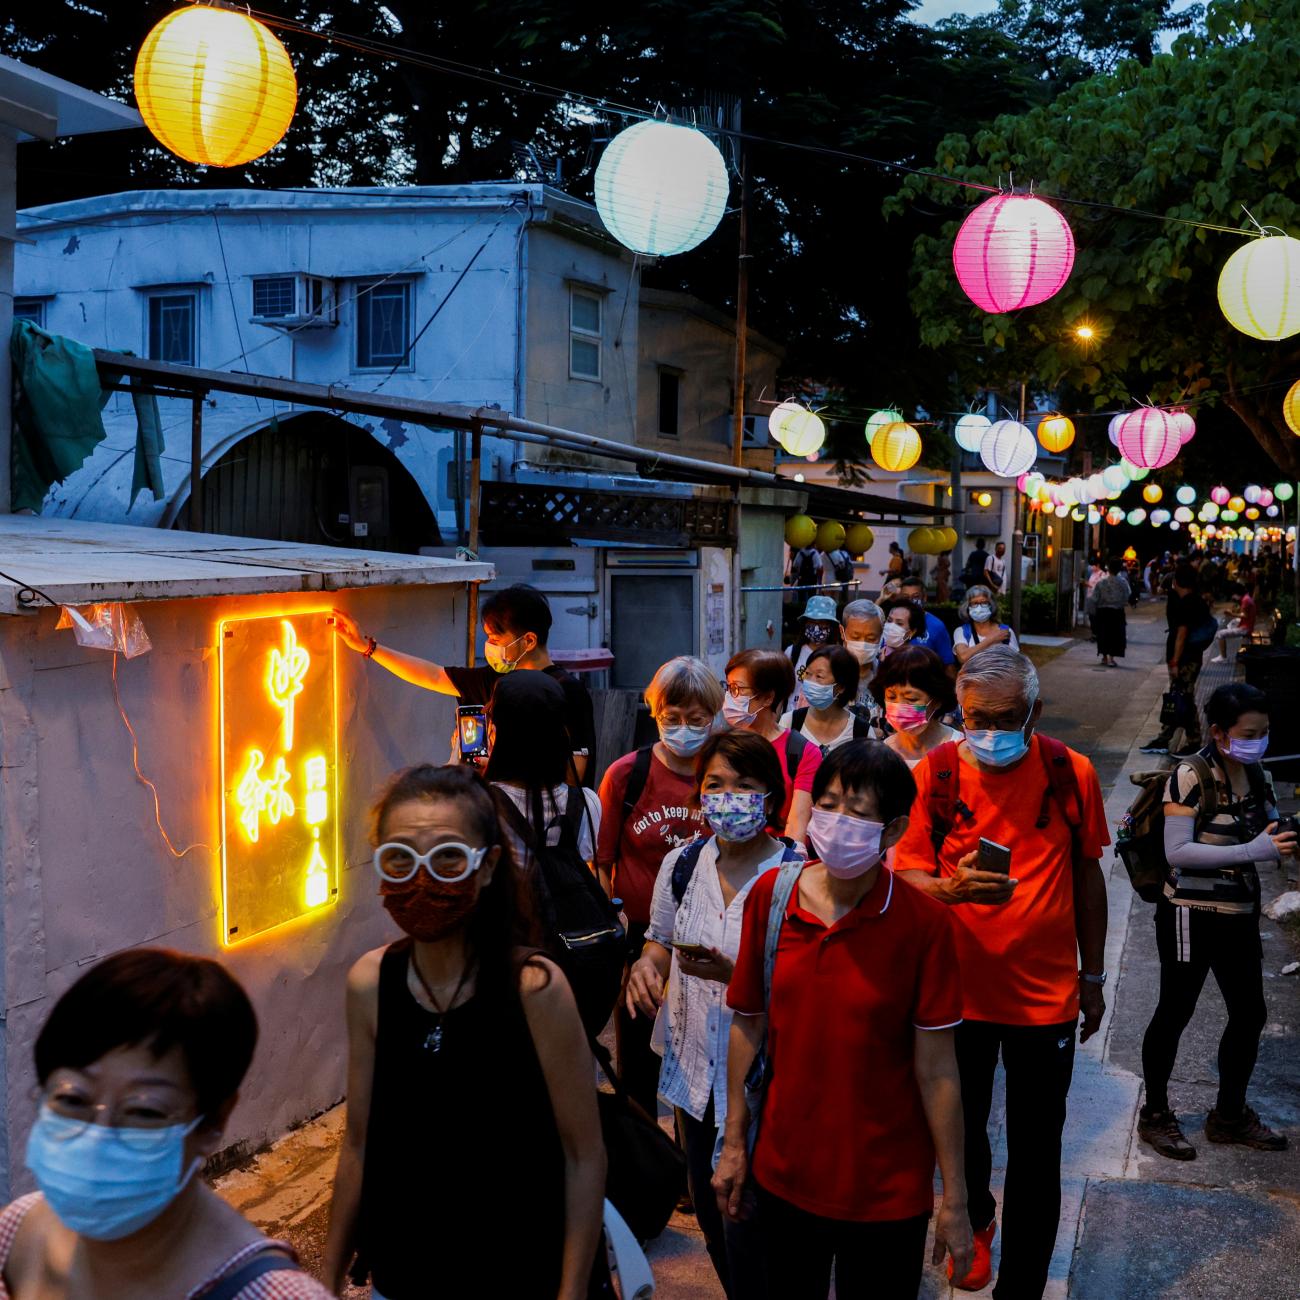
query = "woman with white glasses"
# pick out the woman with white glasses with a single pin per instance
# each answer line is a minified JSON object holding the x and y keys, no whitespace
{"x":468,"y":1065}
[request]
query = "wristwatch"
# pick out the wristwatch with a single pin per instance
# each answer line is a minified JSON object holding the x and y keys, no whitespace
{"x":1099,"y":980}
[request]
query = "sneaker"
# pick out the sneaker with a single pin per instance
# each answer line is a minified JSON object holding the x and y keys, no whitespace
{"x":1160,"y":1130}
{"x":981,"y":1268}
{"x":1246,"y":1130}
{"x":1218,"y":659}
{"x":1156,"y":746}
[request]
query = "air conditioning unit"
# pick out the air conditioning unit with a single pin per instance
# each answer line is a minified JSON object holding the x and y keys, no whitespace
{"x":295,"y":302}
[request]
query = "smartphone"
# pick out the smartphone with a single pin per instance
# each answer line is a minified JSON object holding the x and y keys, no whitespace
{"x":1287,"y":824}
{"x":694,"y":951}
{"x":994,"y":857}
{"x":471,"y":722}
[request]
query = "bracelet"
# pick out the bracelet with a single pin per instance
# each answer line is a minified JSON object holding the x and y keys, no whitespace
{"x":371,"y":646}
{"x":1099,"y":980}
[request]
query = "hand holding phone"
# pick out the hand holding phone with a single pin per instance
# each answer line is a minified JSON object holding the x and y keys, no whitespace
{"x":693,"y":951}
{"x":471,"y":726}
{"x":994,"y":857}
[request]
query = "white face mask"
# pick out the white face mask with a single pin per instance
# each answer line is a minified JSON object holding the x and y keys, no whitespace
{"x":737,"y":712}
{"x":981,"y":613}
{"x":847,"y":846}
{"x":894,"y":636}
{"x":864,"y":652}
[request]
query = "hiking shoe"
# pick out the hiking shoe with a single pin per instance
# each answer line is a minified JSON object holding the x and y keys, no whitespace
{"x":1246,"y":1130}
{"x":981,"y":1268}
{"x":1156,"y":746}
{"x":1160,"y":1130}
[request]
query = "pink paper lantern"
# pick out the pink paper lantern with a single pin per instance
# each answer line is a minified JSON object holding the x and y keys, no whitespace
{"x":1012,"y":251}
{"x":1185,"y":425}
{"x":1265,"y":497}
{"x":1220,"y":496}
{"x":1148,"y":438}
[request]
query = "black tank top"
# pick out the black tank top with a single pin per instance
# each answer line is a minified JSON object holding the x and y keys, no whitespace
{"x":464,"y":1171}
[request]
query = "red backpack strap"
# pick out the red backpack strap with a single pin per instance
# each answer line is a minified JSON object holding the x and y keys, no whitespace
{"x":941,"y":803}
{"x":1062,"y":786}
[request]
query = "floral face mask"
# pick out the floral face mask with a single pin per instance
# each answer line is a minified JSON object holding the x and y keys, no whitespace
{"x":734,"y":817}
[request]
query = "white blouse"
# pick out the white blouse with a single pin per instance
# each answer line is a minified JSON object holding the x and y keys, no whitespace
{"x":694,"y":1023}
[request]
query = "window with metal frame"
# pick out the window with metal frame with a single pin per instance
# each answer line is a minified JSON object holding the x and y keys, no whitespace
{"x":31,"y":309}
{"x":172,"y":328}
{"x":383,"y":325}
{"x":274,"y":295}
{"x":585,"y":333}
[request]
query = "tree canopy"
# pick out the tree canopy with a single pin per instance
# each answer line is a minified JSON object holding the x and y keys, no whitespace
{"x":1197,"y":134}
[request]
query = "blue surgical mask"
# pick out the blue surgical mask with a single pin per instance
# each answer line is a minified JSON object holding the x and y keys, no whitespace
{"x":997,"y":748}
{"x":106,"y":1183}
{"x":981,"y":613}
{"x":1244,"y":751}
{"x":818,"y":694}
{"x":737,"y":712}
{"x":684,"y":741}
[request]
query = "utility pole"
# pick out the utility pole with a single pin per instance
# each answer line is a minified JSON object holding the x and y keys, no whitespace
{"x":1017,"y":542}
{"x":742,"y":312}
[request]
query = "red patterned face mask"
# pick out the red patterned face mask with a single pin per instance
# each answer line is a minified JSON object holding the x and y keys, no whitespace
{"x":429,"y":909}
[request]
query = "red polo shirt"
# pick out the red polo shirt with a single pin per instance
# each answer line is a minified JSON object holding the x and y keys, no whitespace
{"x":843,"y":1132}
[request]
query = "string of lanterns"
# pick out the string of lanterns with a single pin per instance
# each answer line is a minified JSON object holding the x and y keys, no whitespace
{"x":217,"y":87}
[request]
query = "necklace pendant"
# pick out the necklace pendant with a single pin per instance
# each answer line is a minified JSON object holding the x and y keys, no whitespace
{"x":433,"y":1043}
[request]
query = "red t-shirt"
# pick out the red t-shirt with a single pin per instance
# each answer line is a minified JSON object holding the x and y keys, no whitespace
{"x":810,"y":761}
{"x":1019,"y":960}
{"x":1247,"y":613}
{"x":634,"y":846}
{"x":843,"y":1131}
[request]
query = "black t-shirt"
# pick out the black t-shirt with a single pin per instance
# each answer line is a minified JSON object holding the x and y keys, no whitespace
{"x":475,"y":686}
{"x":1189,"y":611}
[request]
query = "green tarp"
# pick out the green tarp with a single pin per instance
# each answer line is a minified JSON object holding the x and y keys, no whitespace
{"x":57,"y":401}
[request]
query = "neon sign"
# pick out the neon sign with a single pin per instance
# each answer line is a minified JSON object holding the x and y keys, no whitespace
{"x":279,"y":771}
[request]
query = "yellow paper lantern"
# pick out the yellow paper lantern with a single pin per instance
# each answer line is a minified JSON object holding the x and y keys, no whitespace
{"x":1259,"y":288}
{"x":1056,"y":432}
{"x":799,"y":531}
{"x":920,"y":541}
{"x":1252,"y":512}
{"x":1152,"y":493}
{"x":1237,"y":503}
{"x":215,"y":86}
{"x":830,"y":535}
{"x":803,"y":433}
{"x":1291,"y":408}
{"x":984,"y":499}
{"x":858,"y":539}
{"x":896,"y":447}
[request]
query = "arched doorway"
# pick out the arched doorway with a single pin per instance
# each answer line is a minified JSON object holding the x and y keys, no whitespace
{"x":318,"y":479}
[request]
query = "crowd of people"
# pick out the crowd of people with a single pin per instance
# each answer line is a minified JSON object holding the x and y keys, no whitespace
{"x":848,"y":880}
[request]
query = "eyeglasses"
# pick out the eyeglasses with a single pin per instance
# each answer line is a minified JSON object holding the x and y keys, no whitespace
{"x":136,"y":1122}
{"x":738,"y":692}
{"x":398,"y":863}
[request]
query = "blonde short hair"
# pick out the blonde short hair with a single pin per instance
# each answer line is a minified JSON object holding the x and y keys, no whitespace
{"x":681,"y":683}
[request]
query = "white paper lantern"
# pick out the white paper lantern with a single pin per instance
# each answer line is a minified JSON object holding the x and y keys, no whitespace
{"x":1259,"y":288}
{"x":970,"y":431}
{"x":879,"y":420}
{"x":1094,"y":516}
{"x":796,"y":428}
{"x":1183,"y":514}
{"x":1112,"y":429}
{"x":1114,"y":478}
{"x":1061,"y":511}
{"x":1008,"y":449}
{"x":661,"y":189}
{"x":1251,"y":494}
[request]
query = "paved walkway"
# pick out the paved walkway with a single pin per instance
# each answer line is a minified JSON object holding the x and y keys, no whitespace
{"x":1133,"y":1226}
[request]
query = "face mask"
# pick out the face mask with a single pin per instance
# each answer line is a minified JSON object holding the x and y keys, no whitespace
{"x":894,"y":635}
{"x":496,"y":656}
{"x":685,"y":742}
{"x":102,"y":1186}
{"x":848,"y":846}
{"x":428,"y":909}
{"x":737,"y":711}
{"x":1247,"y":751}
{"x":815,"y":635}
{"x":997,"y":748}
{"x":734,"y":817}
{"x":864,"y":652}
{"x":981,"y":613}
{"x":819,"y":695}
{"x":906,"y":717}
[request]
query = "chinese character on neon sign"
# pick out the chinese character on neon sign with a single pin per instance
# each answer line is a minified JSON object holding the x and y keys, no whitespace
{"x":279,"y":773}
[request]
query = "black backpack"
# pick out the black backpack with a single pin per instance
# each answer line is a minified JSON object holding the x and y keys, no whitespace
{"x":805,"y":567}
{"x":581,"y":925}
{"x":861,"y":731}
{"x":1140,"y":838}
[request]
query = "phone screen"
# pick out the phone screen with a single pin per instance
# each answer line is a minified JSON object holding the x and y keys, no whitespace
{"x":471,"y":719}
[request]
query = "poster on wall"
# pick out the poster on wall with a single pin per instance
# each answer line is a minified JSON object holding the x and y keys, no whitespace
{"x":279,"y":770}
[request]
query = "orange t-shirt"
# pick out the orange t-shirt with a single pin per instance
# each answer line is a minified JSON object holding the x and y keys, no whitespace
{"x":1019,"y":959}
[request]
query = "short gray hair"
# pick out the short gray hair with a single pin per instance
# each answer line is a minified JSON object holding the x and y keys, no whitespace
{"x":681,"y":683}
{"x":963,"y":610}
{"x":863,"y":608}
{"x":1000,"y":665}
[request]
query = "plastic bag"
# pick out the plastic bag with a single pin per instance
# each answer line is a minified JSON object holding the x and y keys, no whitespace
{"x":112,"y":626}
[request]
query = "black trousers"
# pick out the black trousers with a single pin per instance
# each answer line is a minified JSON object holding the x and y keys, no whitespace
{"x":1039,"y":1062}
{"x":734,"y":1248}
{"x":638,"y":1062}
{"x":1227,"y":945}
{"x":872,"y":1261}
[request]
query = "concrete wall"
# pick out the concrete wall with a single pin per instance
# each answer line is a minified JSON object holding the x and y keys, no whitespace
{"x":86,"y":872}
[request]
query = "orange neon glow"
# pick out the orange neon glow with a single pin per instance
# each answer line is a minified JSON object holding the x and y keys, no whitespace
{"x":278,"y":726}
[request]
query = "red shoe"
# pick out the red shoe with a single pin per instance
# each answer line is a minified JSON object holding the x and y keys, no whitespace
{"x":981,"y":1269}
